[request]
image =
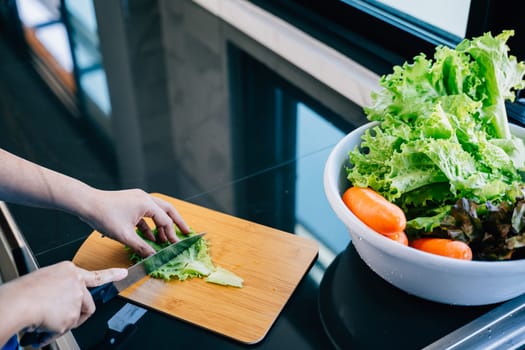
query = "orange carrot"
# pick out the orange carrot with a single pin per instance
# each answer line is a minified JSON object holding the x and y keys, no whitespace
{"x":375,"y":210}
{"x":443,"y":246}
{"x":399,"y":237}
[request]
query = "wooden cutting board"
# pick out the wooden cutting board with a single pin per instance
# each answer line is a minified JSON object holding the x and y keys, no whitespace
{"x":271,"y":262}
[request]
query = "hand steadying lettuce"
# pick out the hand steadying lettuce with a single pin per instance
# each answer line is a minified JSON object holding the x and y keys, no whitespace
{"x":443,"y":134}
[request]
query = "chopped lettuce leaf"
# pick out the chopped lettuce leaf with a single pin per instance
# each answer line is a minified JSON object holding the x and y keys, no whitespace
{"x":195,"y":261}
{"x":225,"y":278}
{"x":192,"y":262}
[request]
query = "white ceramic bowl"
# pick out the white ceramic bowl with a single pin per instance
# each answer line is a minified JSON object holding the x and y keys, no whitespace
{"x":429,"y":276}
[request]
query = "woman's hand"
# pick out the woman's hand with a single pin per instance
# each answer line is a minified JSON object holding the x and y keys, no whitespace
{"x":52,"y":299}
{"x":117,"y":213}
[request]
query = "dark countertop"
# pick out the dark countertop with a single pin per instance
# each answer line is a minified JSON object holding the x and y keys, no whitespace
{"x":221,"y":122}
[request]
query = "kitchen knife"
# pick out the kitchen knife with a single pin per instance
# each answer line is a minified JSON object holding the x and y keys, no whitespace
{"x":143,"y":268}
{"x":136,"y":272}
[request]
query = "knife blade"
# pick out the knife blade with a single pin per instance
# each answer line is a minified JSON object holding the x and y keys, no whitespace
{"x":136,"y":272}
{"x":143,"y":268}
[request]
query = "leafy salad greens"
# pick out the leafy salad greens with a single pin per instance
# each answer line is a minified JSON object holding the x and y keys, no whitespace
{"x":442,"y":137}
{"x":193,"y":262}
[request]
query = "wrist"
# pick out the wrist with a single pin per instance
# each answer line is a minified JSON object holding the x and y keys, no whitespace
{"x":78,"y":199}
{"x":15,"y":306}
{"x":87,"y":205}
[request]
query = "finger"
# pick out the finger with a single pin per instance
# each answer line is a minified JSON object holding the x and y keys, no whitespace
{"x":146,"y":230}
{"x":169,"y":233}
{"x":173,"y":214}
{"x":140,"y":246}
{"x":167,"y":237}
{"x":162,"y":234}
{"x":100,"y":277}
{"x":164,"y":223}
{"x":88,"y":306}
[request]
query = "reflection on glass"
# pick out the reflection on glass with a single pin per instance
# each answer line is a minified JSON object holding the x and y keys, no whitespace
{"x":84,"y":12}
{"x":447,"y":19}
{"x":449,"y":15}
{"x":54,"y":38}
{"x":94,"y":84}
{"x":33,"y":12}
{"x":314,"y":216}
{"x":91,"y":76}
{"x":63,"y":37}
{"x":281,"y":140}
{"x":46,"y":37}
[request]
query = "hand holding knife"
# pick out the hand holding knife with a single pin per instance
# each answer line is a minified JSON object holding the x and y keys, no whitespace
{"x":109,"y":290}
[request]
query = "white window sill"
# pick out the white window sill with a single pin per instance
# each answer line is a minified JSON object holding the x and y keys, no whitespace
{"x":324,"y":63}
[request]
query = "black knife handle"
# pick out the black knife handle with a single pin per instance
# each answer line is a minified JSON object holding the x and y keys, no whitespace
{"x":36,"y":339}
{"x":101,"y":293}
{"x":104,"y":292}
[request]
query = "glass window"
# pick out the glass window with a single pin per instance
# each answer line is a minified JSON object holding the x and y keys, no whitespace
{"x":313,"y":131}
{"x":381,"y":33}
{"x":91,"y":76}
{"x":54,"y":38}
{"x":47,"y":37}
{"x":62,"y":35}
{"x":42,"y":34}
{"x":278,"y":128}
{"x":448,"y":15}
{"x":33,"y":12}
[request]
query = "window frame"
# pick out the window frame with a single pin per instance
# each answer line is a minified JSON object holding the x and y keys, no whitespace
{"x":345,"y":26}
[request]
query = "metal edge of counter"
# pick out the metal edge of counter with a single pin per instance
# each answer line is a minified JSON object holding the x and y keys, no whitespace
{"x":501,"y":328}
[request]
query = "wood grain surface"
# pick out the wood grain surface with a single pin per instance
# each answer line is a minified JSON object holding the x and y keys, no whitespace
{"x":271,"y":262}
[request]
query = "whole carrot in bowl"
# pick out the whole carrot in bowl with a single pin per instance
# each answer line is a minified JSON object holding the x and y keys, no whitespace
{"x":375,"y":211}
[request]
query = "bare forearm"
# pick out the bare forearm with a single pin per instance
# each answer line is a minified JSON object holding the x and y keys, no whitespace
{"x":113,"y":213}
{"x":27,"y":183}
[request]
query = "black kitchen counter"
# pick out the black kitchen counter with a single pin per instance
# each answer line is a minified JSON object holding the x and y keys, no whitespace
{"x":222,"y":122}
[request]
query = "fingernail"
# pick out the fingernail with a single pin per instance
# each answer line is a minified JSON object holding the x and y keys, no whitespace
{"x":145,"y":251}
{"x":150,"y":252}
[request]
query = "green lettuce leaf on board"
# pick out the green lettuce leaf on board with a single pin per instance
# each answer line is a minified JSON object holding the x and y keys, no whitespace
{"x":442,"y":131}
{"x":193,"y":262}
{"x":224,"y":277}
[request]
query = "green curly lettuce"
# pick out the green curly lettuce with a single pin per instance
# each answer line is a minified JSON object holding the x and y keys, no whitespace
{"x":442,"y":131}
